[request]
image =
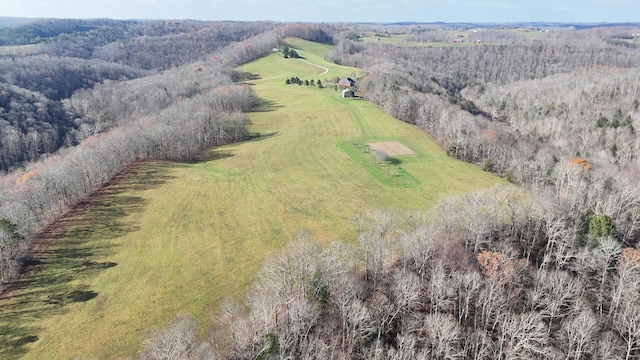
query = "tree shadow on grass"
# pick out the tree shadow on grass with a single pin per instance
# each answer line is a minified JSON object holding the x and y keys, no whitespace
{"x":261,"y":136}
{"x":242,"y":76}
{"x":71,"y":252}
{"x":214,"y":154}
{"x":217,"y":154}
{"x":266,"y":106}
{"x":394,"y":161}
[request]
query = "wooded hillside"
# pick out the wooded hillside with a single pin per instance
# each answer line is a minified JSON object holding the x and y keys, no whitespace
{"x":55,"y":58}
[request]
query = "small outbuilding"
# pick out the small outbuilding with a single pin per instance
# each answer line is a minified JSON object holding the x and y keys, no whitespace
{"x":348,"y":93}
{"x":346,"y":82}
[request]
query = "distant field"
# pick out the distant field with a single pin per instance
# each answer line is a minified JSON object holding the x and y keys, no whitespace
{"x":177,"y":238}
{"x":400,"y":39}
{"x":404,"y":39}
{"x":466,"y":35}
{"x":387,"y":38}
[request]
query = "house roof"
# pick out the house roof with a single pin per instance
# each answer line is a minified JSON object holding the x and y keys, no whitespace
{"x":346,"y":82}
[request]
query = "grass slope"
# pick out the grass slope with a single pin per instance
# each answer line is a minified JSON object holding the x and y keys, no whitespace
{"x":177,"y":238}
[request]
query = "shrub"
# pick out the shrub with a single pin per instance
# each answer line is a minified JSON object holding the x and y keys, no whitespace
{"x":601,"y":226}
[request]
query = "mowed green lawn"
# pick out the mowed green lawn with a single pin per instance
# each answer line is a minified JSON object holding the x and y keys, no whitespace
{"x":177,"y":238}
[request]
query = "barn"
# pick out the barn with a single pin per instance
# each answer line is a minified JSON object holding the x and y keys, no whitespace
{"x":348,"y":93}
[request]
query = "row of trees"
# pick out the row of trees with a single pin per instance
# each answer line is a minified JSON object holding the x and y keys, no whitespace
{"x":298,"y":81}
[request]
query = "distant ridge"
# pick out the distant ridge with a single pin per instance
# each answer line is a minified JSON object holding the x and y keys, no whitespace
{"x":16,"y":21}
{"x":458,"y":25}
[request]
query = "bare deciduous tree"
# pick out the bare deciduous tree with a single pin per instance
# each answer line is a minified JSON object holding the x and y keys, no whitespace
{"x":579,"y":335}
{"x":523,"y":336}
{"x":173,"y":343}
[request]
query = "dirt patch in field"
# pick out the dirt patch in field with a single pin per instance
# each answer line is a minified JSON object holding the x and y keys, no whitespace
{"x":391,"y":148}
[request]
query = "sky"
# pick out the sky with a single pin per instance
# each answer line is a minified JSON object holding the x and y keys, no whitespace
{"x":382,"y":11}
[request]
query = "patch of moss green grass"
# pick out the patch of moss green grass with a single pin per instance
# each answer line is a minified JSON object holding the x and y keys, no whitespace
{"x":388,"y":172}
{"x":174,"y":238}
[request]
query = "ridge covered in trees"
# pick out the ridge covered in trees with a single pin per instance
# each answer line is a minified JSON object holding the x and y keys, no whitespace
{"x":54,"y":59}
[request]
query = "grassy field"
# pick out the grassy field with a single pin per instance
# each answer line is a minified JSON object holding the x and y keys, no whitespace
{"x":466,"y":35}
{"x":174,"y":238}
{"x":402,"y":40}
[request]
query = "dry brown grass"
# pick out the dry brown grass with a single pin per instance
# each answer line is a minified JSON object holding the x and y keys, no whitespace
{"x":391,"y":148}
